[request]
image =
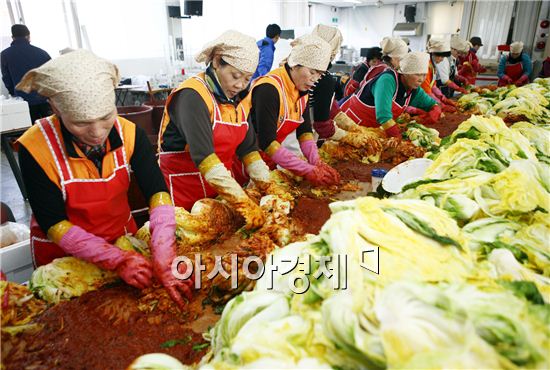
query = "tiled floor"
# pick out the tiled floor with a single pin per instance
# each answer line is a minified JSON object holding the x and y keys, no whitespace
{"x":11,"y":195}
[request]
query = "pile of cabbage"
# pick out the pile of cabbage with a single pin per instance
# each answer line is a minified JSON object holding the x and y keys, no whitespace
{"x":531,"y":101}
{"x":415,"y":295}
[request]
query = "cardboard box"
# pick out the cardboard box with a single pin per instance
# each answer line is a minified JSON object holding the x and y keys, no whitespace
{"x":14,"y":114}
{"x":16,"y":261}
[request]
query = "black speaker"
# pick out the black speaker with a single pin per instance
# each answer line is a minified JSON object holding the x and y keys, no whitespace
{"x":174,"y":12}
{"x":410,"y":13}
{"x":192,"y":7}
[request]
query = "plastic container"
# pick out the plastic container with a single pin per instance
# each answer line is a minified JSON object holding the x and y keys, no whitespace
{"x":142,"y":116}
{"x":377,"y":174}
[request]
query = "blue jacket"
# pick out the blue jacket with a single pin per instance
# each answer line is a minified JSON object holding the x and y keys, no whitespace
{"x":525,"y":63}
{"x":17,"y":60}
{"x":267,"y":51}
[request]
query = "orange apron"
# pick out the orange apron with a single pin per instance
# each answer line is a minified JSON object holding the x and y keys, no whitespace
{"x":99,"y":206}
{"x":185,"y":182}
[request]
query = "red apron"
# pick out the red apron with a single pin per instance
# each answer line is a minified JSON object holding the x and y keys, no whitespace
{"x":183,"y":178}
{"x":287,"y":125}
{"x":365,"y":115}
{"x":373,"y":72}
{"x":514,"y":71}
{"x":99,"y":206}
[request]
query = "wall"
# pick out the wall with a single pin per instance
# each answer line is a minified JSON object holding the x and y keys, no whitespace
{"x":443,"y":18}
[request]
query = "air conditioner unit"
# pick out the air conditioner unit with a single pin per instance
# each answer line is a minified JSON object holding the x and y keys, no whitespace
{"x":408,"y":29}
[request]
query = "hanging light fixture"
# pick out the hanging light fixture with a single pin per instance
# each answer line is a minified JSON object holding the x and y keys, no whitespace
{"x":379,"y":3}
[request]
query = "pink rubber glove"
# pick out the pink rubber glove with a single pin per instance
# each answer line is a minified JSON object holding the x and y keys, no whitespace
{"x":435,"y":98}
{"x":414,"y":111}
{"x":286,"y":159}
{"x":455,"y":87}
{"x":309,"y":150}
{"x":162,"y":223}
{"x":434,"y":114}
{"x":132,"y":267}
{"x":325,"y":129}
{"x":438,"y":93}
{"x":524,"y":79}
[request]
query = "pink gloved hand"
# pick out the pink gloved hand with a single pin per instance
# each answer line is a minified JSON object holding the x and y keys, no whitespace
{"x":394,"y":130}
{"x":162,"y":223}
{"x":437,"y":93}
{"x":455,"y":87}
{"x":132,"y":267}
{"x":288,"y":160}
{"x":325,"y":129}
{"x":414,"y":111}
{"x":524,"y":79}
{"x":309,"y":150}
{"x":435,"y":98}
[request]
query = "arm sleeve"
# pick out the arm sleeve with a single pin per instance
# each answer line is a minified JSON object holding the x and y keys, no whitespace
{"x":443,"y":70}
{"x":266,"y":60}
{"x":145,"y":166}
{"x":321,"y":97}
{"x":305,"y":127}
{"x":6,"y":76}
{"x":360,"y":73}
{"x":189,"y":113}
{"x":45,"y":198}
{"x":265,"y":102}
{"x":527,"y":65}
{"x":384,"y":90}
{"x":501,"y":66}
{"x":423,"y":100}
{"x":249,"y":143}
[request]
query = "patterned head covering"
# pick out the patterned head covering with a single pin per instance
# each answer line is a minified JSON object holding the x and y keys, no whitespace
{"x":310,"y":51}
{"x":516,"y":47}
{"x":332,"y":35}
{"x":235,"y":48}
{"x":439,"y":45}
{"x":394,"y":47}
{"x":80,"y":84}
{"x":416,"y":62}
{"x":460,"y":44}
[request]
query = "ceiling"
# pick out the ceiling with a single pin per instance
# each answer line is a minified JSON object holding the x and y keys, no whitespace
{"x":351,"y":3}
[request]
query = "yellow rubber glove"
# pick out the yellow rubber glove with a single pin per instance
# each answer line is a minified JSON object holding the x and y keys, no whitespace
{"x":259,"y":173}
{"x":227,"y":187}
{"x":346,"y":123}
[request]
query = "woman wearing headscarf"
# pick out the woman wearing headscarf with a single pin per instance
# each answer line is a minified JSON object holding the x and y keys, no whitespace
{"x":459,"y":49}
{"x":76,"y":168}
{"x":328,"y":121}
{"x":205,"y":125}
{"x":439,"y":49}
{"x":447,"y":68}
{"x":469,"y":66}
{"x":514,"y":68}
{"x":373,"y":58}
{"x":280,"y":108}
{"x":386,"y":96}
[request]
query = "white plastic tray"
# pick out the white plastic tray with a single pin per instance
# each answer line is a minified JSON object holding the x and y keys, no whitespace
{"x":16,"y":261}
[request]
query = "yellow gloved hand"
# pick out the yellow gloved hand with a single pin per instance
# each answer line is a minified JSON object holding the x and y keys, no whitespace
{"x":346,"y":123}
{"x":227,"y":187}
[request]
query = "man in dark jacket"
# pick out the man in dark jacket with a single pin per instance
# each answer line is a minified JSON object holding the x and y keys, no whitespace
{"x":267,"y":49}
{"x":17,"y":60}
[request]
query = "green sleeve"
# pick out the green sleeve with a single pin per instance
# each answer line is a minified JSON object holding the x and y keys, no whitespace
{"x":423,"y":100}
{"x":383,"y":91}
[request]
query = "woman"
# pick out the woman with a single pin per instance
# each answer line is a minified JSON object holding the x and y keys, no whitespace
{"x":373,"y":58}
{"x":76,"y":167}
{"x":328,"y":121}
{"x":386,"y":96}
{"x":205,"y":125}
{"x":447,"y":69}
{"x":280,"y":107}
{"x":439,"y":49}
{"x":514,"y":68}
{"x":469,"y":66}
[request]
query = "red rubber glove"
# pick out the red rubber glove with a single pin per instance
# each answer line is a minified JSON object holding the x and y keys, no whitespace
{"x":325,"y":129}
{"x":414,"y":111}
{"x":132,"y":267}
{"x":322,"y":175}
{"x":162,"y":223}
{"x":505,"y":80}
{"x":434,"y":114}
{"x":455,"y":87}
{"x":394,"y":131}
{"x":524,"y":79}
{"x":331,"y":175}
